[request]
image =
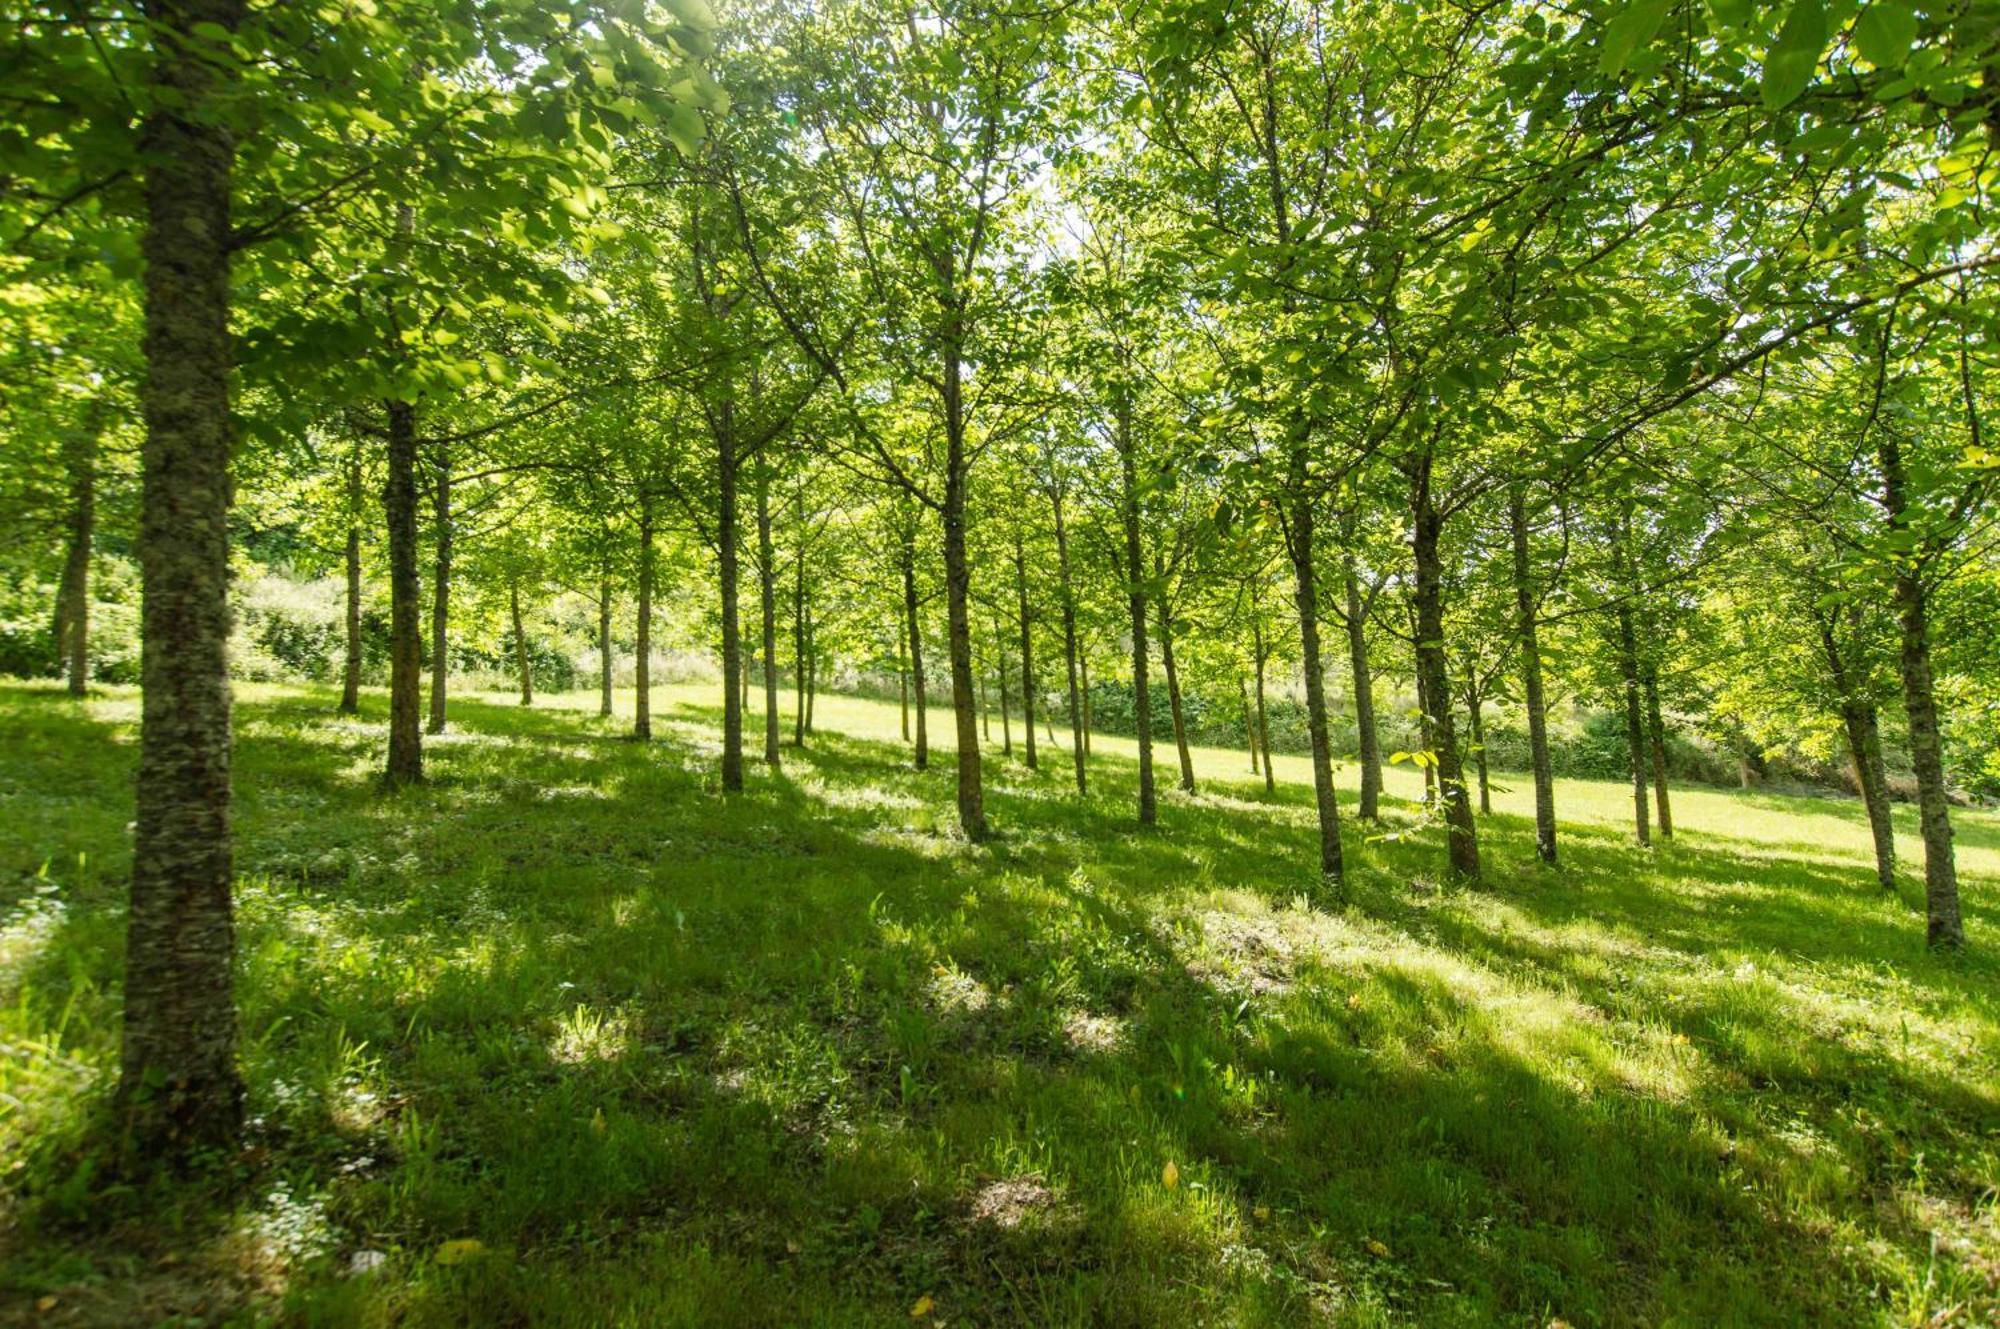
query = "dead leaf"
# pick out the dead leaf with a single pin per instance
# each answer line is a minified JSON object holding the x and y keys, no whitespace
{"x":1170,"y":1176}
{"x":461,"y":1250}
{"x":922,"y":1308}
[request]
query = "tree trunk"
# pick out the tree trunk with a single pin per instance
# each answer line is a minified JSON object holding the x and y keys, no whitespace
{"x":1475,"y":705}
{"x":350,"y":679}
{"x":521,"y":644}
{"x":1249,"y":722}
{"x":958,"y":587}
{"x":399,"y":499}
{"x":1083,"y":669}
{"x":903,"y":677}
{"x":1263,"y":716}
{"x":1078,"y":739}
{"x":1656,"y":737}
{"x":1864,"y":746}
{"x":441,"y":586}
{"x":799,"y":641}
{"x":1635,"y":728}
{"x":1306,"y":594}
{"x":73,"y":601}
{"x":1027,"y":656}
{"x":1944,"y":926}
{"x":726,"y":472}
{"x":1136,"y":592}
{"x":1531,"y":683}
{"x":1006,"y":724}
{"x":918,"y":688}
{"x":178,"y":1084}
{"x":642,"y":646}
{"x":604,"y":647}
{"x":1426,"y":529}
{"x":1174,"y":696}
{"x":1367,"y":739}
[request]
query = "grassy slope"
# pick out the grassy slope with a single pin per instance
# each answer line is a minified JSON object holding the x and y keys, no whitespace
{"x":805,"y":1057}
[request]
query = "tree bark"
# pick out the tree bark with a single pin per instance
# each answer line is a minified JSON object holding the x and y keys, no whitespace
{"x":179,"y":1088}
{"x":1426,"y":530}
{"x":1263,"y":716}
{"x":642,"y":646}
{"x":441,"y":587}
{"x":726,"y":473}
{"x":1864,"y":746}
{"x":1635,"y":728}
{"x":1531,"y":682}
{"x":903,"y":677}
{"x":1136,"y":594}
{"x":1078,"y":742}
{"x":1475,"y":705}
{"x":922,"y":757}
{"x":1656,"y":737}
{"x":1944,"y":926}
{"x":767,"y":597}
{"x":350,"y":680}
{"x":1249,"y":722}
{"x":1368,"y":740}
{"x":521,"y":643}
{"x":73,"y":601}
{"x":1300,"y":542}
{"x":604,"y":647}
{"x":1027,"y":656}
{"x":1174,"y":696}
{"x":399,"y":501}
{"x":958,"y":597}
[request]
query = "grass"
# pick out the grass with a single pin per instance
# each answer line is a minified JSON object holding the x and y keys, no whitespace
{"x":566,"y":1037}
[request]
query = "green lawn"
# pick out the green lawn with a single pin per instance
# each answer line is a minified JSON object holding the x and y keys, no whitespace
{"x":804,"y":1056}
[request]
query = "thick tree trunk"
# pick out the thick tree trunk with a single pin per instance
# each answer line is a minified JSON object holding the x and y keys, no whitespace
{"x":178,"y":1086}
{"x":767,"y":601}
{"x":1174,"y":697}
{"x":1944,"y":926}
{"x":399,"y":500}
{"x":1136,"y":593}
{"x":604,"y":647}
{"x":350,"y":678}
{"x":1027,"y":655}
{"x":1306,"y":594}
{"x":441,"y":587}
{"x":1635,"y":726}
{"x":918,"y":688}
{"x":727,"y":468}
{"x":521,"y":644}
{"x":1077,"y":740}
{"x":1533,"y":699}
{"x":1426,"y":529}
{"x":1656,"y":739}
{"x":1367,"y":739}
{"x":642,"y":646}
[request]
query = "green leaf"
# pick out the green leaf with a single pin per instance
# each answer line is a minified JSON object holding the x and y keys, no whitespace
{"x":1630,"y":33}
{"x":1789,"y":65}
{"x":1884,"y":32}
